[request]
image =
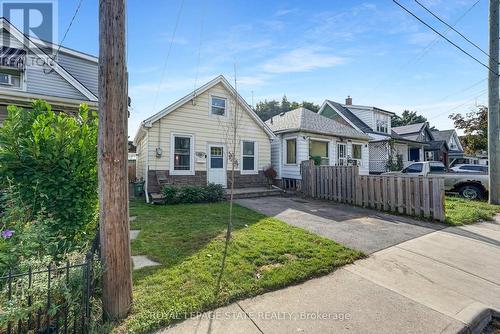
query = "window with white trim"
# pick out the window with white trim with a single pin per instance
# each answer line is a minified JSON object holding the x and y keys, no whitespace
{"x":291,"y":151}
{"x":382,"y":124}
{"x":182,"y":153}
{"x":248,"y":156}
{"x":10,"y":78}
{"x":218,"y":106}
{"x":319,"y":148}
{"x":357,"y":151}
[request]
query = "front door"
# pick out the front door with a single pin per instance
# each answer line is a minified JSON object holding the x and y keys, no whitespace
{"x":341,"y":154}
{"x":216,"y":165}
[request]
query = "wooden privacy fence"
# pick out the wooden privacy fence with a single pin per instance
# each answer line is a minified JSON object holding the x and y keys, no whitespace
{"x":410,"y":195}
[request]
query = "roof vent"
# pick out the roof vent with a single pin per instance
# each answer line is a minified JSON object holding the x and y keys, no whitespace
{"x":348,"y":101}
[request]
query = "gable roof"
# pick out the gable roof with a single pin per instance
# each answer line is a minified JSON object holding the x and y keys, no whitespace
{"x":302,"y":119}
{"x":443,"y":134}
{"x":33,"y":47}
{"x":358,"y":123}
{"x":218,"y":80}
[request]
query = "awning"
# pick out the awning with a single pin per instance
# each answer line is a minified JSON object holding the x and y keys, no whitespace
{"x":11,"y":57}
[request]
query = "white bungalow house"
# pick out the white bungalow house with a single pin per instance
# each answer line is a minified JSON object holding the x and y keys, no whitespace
{"x":191,"y":141}
{"x":302,"y":134}
{"x":384,"y":144}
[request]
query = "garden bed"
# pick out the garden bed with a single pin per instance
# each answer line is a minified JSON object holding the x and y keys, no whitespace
{"x":188,"y":240}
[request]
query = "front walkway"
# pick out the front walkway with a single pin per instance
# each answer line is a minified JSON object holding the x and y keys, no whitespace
{"x":437,"y":282}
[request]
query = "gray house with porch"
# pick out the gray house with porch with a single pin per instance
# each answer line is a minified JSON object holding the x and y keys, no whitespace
{"x":28,"y":71}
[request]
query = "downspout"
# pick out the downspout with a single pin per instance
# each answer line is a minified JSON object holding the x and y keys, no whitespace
{"x":147,"y":167}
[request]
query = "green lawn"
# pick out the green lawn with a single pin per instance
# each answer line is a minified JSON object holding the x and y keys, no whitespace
{"x":460,"y":211}
{"x":188,"y":240}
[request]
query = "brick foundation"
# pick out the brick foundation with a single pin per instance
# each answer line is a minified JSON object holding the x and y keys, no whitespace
{"x":157,"y":178}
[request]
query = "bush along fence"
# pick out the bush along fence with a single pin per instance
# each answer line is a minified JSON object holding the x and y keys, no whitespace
{"x":57,"y":299}
{"x":409,"y":195}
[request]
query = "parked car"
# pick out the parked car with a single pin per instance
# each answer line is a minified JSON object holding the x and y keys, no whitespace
{"x":467,"y":185}
{"x":469,"y":168}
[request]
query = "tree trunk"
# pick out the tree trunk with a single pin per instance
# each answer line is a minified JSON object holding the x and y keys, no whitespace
{"x":112,"y":155}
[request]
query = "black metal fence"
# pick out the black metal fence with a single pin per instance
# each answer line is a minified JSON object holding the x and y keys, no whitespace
{"x":58,"y":299}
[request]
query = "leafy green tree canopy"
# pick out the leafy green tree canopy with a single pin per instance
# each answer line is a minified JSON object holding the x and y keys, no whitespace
{"x":267,"y":109}
{"x":475,"y":127}
{"x":407,"y":118}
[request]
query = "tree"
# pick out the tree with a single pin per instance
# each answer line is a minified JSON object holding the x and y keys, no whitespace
{"x":267,"y":109}
{"x":407,"y":118}
{"x":475,"y":127}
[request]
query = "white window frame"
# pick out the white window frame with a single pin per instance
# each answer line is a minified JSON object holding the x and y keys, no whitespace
{"x":255,"y":157}
{"x":217,"y":96}
{"x":328,"y":142}
{"x":191,"y":152}
{"x":22,"y":79}
{"x":345,"y":158}
{"x":352,"y":151}
{"x":285,"y":151}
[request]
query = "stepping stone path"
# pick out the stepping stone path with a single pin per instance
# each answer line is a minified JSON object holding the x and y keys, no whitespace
{"x":140,"y":261}
{"x":134,"y":234}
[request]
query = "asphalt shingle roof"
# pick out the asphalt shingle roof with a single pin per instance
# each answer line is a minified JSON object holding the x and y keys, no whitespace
{"x":407,"y":129}
{"x":302,"y":119}
{"x":353,"y":118}
{"x":443,"y":135}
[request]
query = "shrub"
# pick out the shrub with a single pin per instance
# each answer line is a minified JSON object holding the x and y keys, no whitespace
{"x":49,"y":160}
{"x":193,"y":194}
{"x":316,"y":159}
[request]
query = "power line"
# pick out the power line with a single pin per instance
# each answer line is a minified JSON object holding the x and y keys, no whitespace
{"x":168,"y":52}
{"x":450,"y":27}
{"x":476,"y":95}
{"x":429,"y":46}
{"x":444,"y":37}
{"x":198,"y":60}
{"x":69,"y":27}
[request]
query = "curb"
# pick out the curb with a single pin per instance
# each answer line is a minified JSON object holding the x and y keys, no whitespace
{"x":476,"y":317}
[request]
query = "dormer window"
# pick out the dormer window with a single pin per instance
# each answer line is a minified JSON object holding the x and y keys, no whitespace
{"x":381,"y":123}
{"x":382,"y":126}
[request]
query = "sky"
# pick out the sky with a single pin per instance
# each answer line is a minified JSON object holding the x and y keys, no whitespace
{"x":307,"y":50}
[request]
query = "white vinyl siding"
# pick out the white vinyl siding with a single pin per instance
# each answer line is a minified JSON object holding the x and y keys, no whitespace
{"x":195,"y":119}
{"x":276,"y":160}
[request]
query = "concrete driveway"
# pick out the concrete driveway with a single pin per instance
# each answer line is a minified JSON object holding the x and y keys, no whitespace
{"x":365,"y":230}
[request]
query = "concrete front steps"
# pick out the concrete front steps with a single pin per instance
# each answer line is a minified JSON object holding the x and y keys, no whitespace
{"x":240,"y":193}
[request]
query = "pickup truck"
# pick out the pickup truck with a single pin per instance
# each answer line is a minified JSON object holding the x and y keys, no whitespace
{"x":467,"y":185}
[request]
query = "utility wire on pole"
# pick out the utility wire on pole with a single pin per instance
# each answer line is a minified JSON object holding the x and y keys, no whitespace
{"x":493,"y":70}
{"x":112,"y":157}
{"x":493,"y":107}
{"x":451,"y":28}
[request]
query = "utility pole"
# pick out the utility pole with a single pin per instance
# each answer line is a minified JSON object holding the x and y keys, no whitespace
{"x":493,"y":107}
{"x":112,"y":156}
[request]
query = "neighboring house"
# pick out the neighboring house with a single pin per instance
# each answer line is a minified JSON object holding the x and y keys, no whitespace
{"x":456,"y":154}
{"x":302,"y":134}
{"x":190,"y":141}
{"x":436,"y":149}
{"x":27,"y":72}
{"x":385,"y":146}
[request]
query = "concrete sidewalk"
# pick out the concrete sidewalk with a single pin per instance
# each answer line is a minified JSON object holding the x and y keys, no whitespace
{"x":436,"y":283}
